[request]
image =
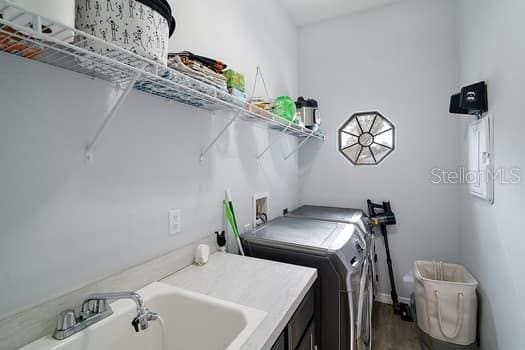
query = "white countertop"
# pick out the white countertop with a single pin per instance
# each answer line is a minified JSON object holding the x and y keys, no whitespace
{"x":269,"y":286}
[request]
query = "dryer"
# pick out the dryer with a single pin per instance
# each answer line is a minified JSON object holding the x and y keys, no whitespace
{"x":367,"y":287}
{"x":337,"y":250}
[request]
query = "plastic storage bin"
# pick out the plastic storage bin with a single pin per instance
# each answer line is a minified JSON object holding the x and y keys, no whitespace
{"x":446,"y":302}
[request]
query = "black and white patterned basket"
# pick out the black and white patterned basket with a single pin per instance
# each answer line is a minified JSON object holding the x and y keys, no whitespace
{"x":129,"y":24}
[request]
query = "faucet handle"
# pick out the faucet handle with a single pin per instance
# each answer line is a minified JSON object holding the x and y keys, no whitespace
{"x":93,"y":307}
{"x":141,"y":321}
{"x":66,"y":320}
{"x":136,"y":324}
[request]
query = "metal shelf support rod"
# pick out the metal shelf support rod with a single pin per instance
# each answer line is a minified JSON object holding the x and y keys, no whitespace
{"x":226,"y":127}
{"x":273,"y":142}
{"x":111,"y":115}
{"x":37,"y":24}
{"x":298,"y":147}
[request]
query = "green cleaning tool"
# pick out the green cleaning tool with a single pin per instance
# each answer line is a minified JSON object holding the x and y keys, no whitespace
{"x":230,"y":215}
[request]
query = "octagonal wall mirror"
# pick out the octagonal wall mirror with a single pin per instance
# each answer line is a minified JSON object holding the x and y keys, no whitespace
{"x":367,"y":138}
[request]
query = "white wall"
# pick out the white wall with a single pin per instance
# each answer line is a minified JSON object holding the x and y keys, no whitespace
{"x":244,"y":33}
{"x":402,"y":61}
{"x":492,"y":237}
{"x":65,"y":222}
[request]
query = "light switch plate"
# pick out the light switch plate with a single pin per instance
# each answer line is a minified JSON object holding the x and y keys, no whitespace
{"x":175,"y":221}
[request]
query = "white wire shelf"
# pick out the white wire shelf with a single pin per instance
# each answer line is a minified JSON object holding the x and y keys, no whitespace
{"x":34,"y":37}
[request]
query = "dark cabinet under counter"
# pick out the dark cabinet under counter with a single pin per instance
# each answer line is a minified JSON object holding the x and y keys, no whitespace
{"x":308,"y":341}
{"x":299,"y":333}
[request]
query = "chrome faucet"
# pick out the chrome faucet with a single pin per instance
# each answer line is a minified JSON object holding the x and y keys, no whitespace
{"x":95,"y":308}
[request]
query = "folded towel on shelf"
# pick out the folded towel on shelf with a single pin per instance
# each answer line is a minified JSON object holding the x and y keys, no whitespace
{"x":197,"y":70}
{"x":156,"y":86}
{"x":211,"y":63}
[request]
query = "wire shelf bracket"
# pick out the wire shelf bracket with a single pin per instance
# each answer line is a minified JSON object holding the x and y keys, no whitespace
{"x":298,"y":147}
{"x":89,"y":151}
{"x":273,"y":142}
{"x":216,"y":138}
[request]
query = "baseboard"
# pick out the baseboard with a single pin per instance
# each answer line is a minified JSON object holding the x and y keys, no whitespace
{"x":387,"y":299}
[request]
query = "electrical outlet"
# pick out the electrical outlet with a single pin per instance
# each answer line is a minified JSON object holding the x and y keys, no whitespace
{"x":175,"y":221}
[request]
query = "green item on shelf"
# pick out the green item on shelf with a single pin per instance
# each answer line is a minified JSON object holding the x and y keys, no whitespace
{"x":234,"y":80}
{"x":285,"y":107}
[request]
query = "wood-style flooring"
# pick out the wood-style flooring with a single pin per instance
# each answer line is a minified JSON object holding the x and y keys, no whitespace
{"x":390,"y":332}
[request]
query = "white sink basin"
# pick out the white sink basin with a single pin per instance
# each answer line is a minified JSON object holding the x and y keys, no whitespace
{"x":192,"y":321}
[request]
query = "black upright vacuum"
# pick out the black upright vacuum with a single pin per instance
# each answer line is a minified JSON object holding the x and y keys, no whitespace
{"x":381,"y":215}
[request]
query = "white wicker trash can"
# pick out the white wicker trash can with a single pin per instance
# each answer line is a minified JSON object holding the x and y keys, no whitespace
{"x":446,"y":302}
